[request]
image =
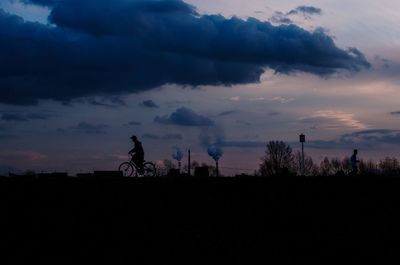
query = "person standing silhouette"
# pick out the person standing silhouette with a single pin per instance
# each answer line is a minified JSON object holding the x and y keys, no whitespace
{"x":137,"y":153}
{"x":354,"y":161}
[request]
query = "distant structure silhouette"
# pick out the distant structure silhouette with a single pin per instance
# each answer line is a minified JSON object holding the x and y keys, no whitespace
{"x":201,"y":172}
{"x":137,"y":152}
{"x":354,"y":161}
{"x":178,"y":156}
{"x":216,"y":153}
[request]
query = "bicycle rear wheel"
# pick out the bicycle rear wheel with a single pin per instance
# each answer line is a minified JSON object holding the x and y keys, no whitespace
{"x":149,"y":169}
{"x":127,"y":169}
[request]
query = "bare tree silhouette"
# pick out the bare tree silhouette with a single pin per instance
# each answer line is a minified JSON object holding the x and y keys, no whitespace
{"x":346,"y":165}
{"x":389,"y":165}
{"x":278,"y":159}
{"x":367,"y":167}
{"x":310,"y":168}
{"x":336,"y":165}
{"x":325,"y":167}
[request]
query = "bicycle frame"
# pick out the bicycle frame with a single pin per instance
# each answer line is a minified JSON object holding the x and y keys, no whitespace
{"x":132,"y":162}
{"x":148,"y":168}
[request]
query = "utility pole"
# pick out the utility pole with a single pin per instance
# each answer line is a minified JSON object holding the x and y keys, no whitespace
{"x":302,"y":141}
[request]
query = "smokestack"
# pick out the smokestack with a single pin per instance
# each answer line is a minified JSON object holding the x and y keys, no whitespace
{"x":216,"y":153}
{"x":178,"y":155}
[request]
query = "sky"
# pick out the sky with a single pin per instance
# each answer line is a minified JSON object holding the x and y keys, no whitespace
{"x":78,"y":78}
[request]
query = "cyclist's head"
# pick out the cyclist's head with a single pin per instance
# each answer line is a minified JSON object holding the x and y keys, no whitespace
{"x":134,"y":138}
{"x":355,"y":151}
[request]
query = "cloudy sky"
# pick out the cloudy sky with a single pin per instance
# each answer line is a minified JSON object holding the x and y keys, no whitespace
{"x":78,"y":78}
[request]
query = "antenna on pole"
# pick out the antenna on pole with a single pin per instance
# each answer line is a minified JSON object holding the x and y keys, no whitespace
{"x":302,"y":141}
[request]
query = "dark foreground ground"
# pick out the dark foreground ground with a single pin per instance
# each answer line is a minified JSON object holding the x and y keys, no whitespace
{"x":200,"y":221}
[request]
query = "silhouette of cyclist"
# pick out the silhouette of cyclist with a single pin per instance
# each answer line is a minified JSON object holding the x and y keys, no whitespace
{"x":354,"y":161}
{"x":137,"y":153}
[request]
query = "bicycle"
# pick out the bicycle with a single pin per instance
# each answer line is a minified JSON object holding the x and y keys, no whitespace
{"x":130,"y":169}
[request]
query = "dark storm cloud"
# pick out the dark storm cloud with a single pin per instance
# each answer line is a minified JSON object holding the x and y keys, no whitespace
{"x":213,"y":135}
{"x":305,"y":10}
{"x":86,"y":128}
{"x":184,"y":117}
{"x":109,"y":102}
{"x":167,"y":137}
{"x":280,"y":18}
{"x":172,"y":136}
{"x":149,"y":104}
{"x":98,"y":103}
{"x":4,"y":136}
{"x":38,"y":116}
{"x":116,"y":47}
{"x":89,"y":128}
{"x":40,"y":2}
{"x":243,"y":144}
{"x":284,"y":18}
{"x":150,"y":136}
{"x":382,"y":62}
{"x":216,"y":136}
{"x":366,"y":139}
{"x":274,"y":113}
{"x":134,"y":123}
{"x":13,"y":117}
{"x":23,"y":117}
{"x":376,"y":136}
{"x":229,"y":112}
{"x":242,"y":122}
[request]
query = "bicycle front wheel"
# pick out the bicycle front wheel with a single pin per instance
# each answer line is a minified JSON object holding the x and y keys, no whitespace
{"x":149,"y":169}
{"x":127,"y":169}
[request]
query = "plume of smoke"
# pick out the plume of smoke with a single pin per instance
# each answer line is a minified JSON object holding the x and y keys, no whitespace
{"x":178,"y":155}
{"x":212,"y":136}
{"x":215,"y":152}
